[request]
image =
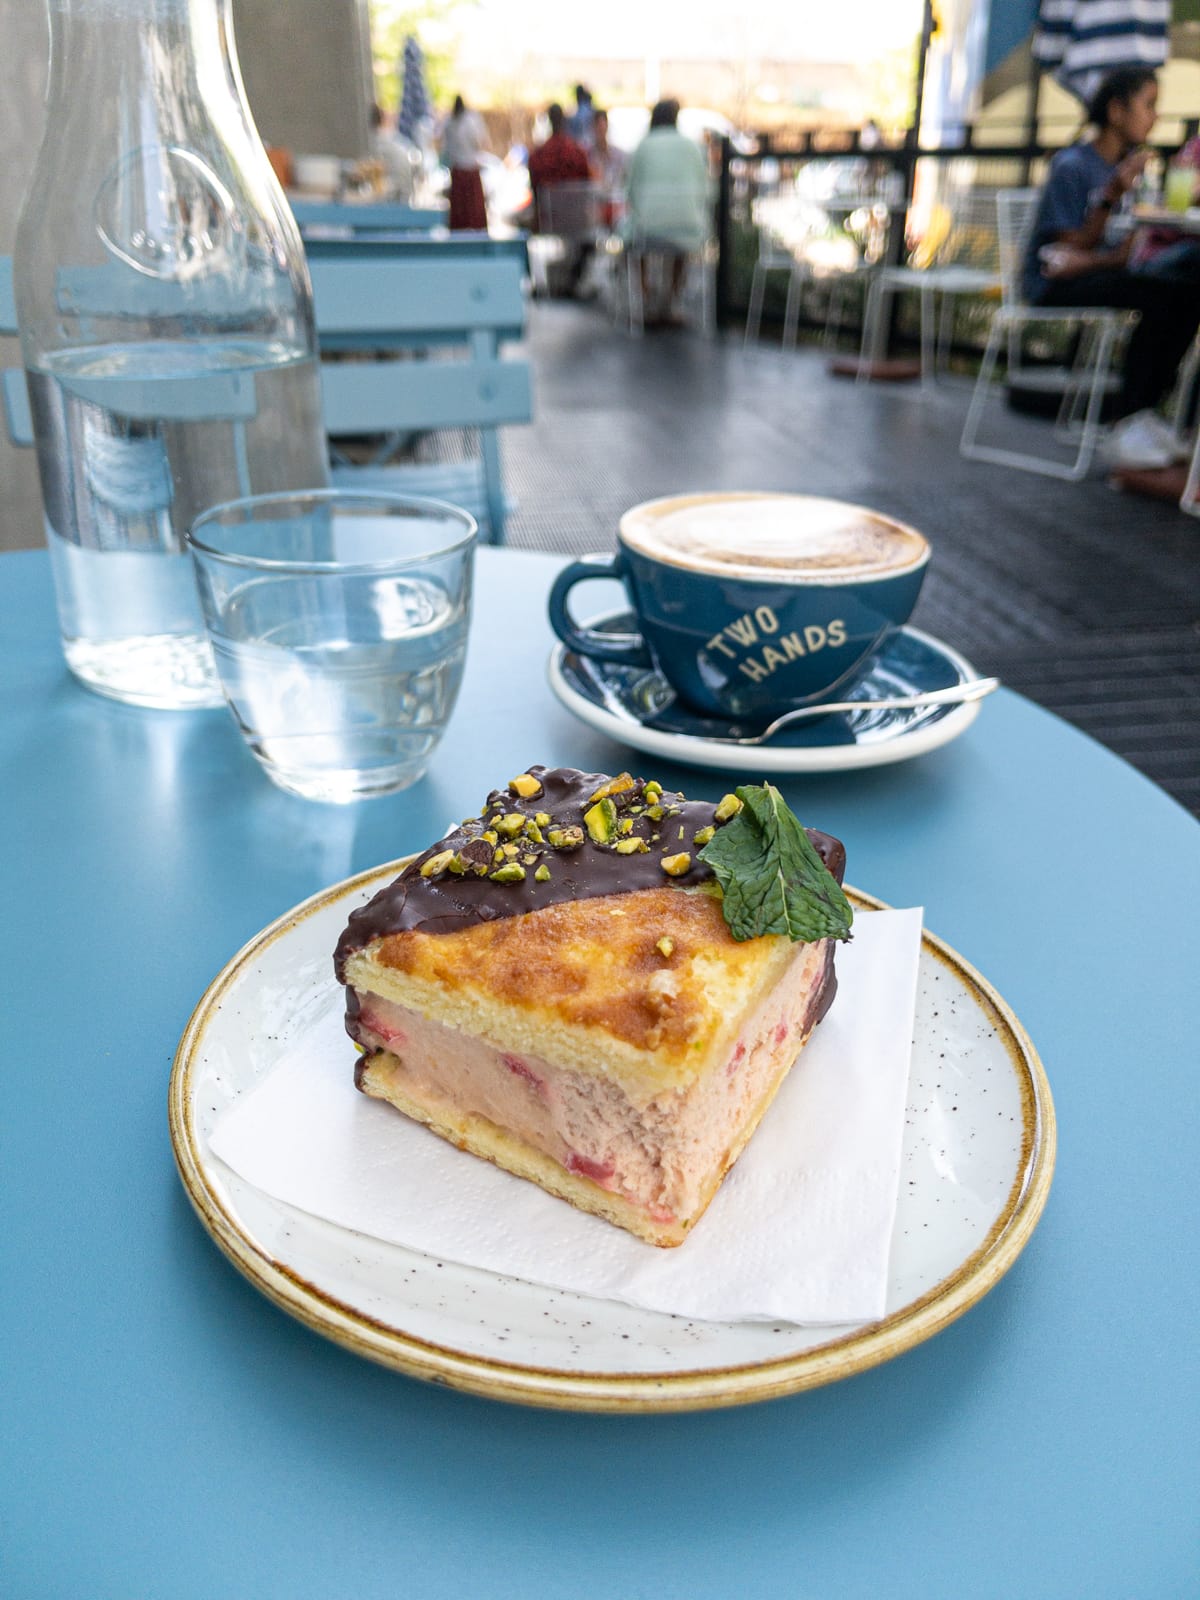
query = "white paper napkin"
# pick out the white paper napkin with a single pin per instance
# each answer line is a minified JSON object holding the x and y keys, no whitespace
{"x":799,"y":1231}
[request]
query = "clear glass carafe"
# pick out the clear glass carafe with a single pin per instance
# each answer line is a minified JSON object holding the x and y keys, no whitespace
{"x":166,"y":325}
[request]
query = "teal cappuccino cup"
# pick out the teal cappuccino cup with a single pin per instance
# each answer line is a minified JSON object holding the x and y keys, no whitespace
{"x":752,"y":604}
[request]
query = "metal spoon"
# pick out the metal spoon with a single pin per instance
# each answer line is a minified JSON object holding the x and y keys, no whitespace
{"x":954,"y":694}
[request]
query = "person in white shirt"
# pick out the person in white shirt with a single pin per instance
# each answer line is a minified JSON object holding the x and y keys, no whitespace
{"x":464,"y":139}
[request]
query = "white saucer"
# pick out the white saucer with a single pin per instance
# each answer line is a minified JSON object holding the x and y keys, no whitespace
{"x":635,"y":706}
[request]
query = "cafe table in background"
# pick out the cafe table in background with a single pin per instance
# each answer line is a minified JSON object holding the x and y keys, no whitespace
{"x":171,"y":1432}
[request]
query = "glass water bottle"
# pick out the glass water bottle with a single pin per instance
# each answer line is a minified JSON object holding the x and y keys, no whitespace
{"x":166,"y":326}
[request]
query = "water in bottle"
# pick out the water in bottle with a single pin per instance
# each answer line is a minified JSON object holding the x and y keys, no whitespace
{"x":166,"y":324}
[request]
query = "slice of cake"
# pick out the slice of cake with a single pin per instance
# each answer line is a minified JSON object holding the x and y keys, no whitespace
{"x":555,"y":987}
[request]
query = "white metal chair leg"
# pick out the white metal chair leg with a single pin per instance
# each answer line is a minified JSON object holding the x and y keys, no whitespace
{"x":872,"y":329}
{"x":1188,"y":374}
{"x":633,"y":291}
{"x":928,"y":348}
{"x":791,"y":311}
{"x":833,"y":315}
{"x":1090,"y":436}
{"x":968,"y":445}
{"x":1092,"y":382}
{"x":708,"y":294}
{"x":945,"y":336}
{"x":1190,"y":499}
{"x":754,"y":309}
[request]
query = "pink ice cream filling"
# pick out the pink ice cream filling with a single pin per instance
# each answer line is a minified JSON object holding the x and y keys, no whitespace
{"x":660,"y":1155}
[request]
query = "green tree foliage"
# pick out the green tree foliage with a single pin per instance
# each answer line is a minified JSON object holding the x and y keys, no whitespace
{"x":436,"y":25}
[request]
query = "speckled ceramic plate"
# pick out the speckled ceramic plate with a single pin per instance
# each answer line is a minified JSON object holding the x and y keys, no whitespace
{"x":977,"y":1160}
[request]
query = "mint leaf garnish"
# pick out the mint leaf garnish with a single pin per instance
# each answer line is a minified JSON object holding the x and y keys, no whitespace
{"x":771,"y":877}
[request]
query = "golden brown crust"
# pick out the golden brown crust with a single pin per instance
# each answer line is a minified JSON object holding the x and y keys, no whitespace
{"x":600,"y":964}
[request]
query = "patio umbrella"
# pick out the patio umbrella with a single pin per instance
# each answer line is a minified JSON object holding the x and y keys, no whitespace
{"x":414,"y":101}
{"x":1082,"y":40}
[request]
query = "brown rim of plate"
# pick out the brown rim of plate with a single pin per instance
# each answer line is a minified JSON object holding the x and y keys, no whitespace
{"x":694,"y":1390}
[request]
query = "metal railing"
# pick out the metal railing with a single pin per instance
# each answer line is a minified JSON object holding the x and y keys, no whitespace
{"x":886,"y":178}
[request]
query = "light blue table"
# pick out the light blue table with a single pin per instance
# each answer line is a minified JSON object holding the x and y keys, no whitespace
{"x":169,"y":1433}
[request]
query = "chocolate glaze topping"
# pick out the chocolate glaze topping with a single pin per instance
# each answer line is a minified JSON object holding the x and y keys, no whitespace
{"x":449,"y":900}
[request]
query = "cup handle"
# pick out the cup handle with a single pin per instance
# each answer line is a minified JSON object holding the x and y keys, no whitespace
{"x":628,"y":649}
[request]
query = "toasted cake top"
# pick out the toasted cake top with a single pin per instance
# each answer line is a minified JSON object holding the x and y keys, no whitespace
{"x":553,"y":835}
{"x":658,"y":971}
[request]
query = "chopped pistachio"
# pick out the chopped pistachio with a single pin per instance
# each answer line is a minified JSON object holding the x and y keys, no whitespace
{"x":681,"y":830}
{"x":510,"y":852}
{"x":525,"y":784}
{"x":530,"y":858}
{"x":676,"y":866}
{"x":497,"y":857}
{"x":653,"y":790}
{"x":510,"y":872}
{"x":509,"y":825}
{"x":625,"y":825}
{"x":565,"y":838}
{"x":665,"y":945}
{"x":655,"y":813}
{"x":494,"y":821}
{"x":727,"y":807}
{"x":437,"y":864}
{"x":490,"y":835}
{"x":601,"y":821}
{"x":456,"y":865}
{"x":542,"y":875}
{"x":542,"y":818}
{"x":703,"y":835}
{"x":532,"y":831}
{"x":617,"y":785}
{"x":632,"y":847}
{"x":636,"y":811}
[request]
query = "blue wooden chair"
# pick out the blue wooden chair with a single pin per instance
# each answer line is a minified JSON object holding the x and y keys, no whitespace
{"x":367,"y":218}
{"x":424,"y":336}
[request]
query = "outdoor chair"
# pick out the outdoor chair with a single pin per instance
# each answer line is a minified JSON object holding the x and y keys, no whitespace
{"x":420,"y":342}
{"x":1083,"y":383}
{"x":646,"y":244}
{"x":781,"y":238}
{"x":960,"y":259}
{"x":569,"y":221}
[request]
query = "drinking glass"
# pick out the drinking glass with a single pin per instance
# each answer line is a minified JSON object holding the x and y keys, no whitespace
{"x":338,"y":622}
{"x":1181,"y":182}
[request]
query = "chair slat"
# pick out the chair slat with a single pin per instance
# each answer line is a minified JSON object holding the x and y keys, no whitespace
{"x":8,"y":304}
{"x":362,"y":296}
{"x":16,"y":407}
{"x":380,"y":396}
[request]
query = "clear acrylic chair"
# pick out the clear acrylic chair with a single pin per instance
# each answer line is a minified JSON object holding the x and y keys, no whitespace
{"x":781,"y":237}
{"x":961,"y":258}
{"x":568,"y":223}
{"x":667,"y":224}
{"x":1100,"y":333}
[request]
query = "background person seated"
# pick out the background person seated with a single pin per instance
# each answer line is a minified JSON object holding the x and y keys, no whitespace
{"x":668,"y":201}
{"x":609,"y":168}
{"x":561,"y":160}
{"x":1071,"y":261}
{"x":400,"y":161}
